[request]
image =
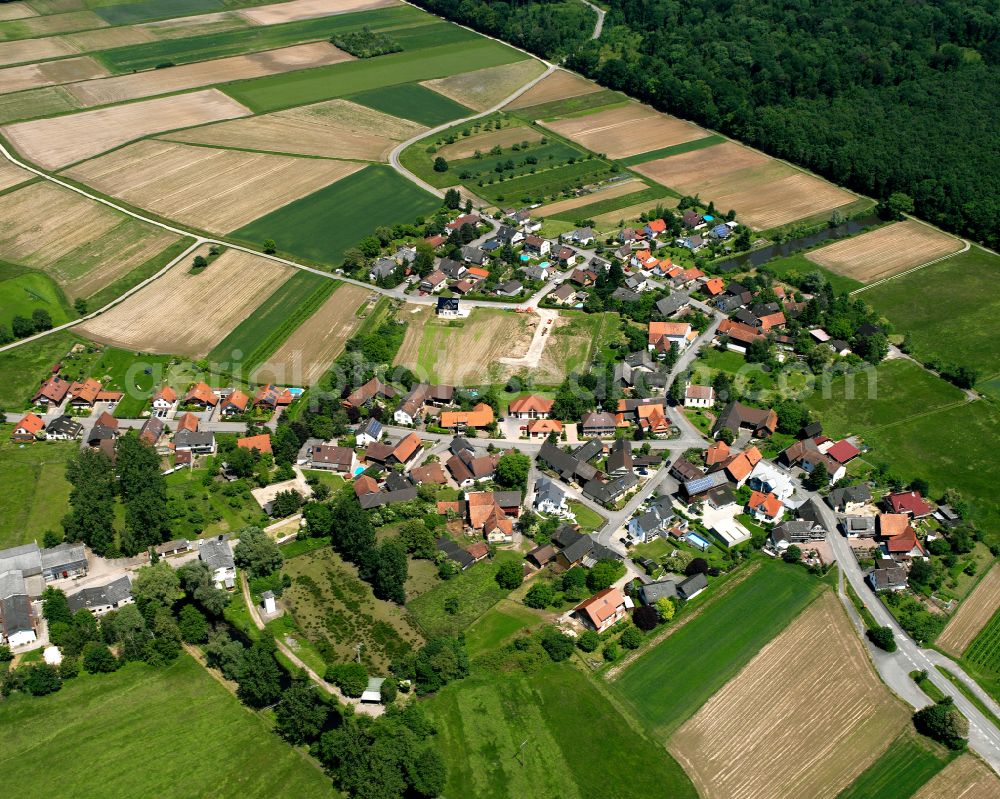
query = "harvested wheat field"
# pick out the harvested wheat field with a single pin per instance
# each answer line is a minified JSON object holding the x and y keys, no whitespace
{"x":214,"y":190}
{"x":49,"y":73}
{"x":557,"y":86}
{"x":977,"y":609}
{"x":803,"y":718}
{"x":466,"y":146}
{"x":886,"y":251}
{"x":967,"y":777}
{"x":16,"y":11}
{"x":307,"y":9}
{"x":33,"y":50}
{"x":189,"y":314}
{"x":82,"y":244}
{"x":206,"y":73}
{"x":462,"y":351}
{"x":199,"y":25}
{"x":58,"y":141}
{"x":308,"y":353}
{"x":615,"y":190}
{"x":484,"y":88}
{"x":626,"y":130}
{"x":764,"y":192}
{"x":334,"y":129}
{"x":11,"y":175}
{"x":105,"y":38}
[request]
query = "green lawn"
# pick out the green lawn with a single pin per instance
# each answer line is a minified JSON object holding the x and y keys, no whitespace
{"x":35,"y":493}
{"x":266,"y":329}
{"x":413,"y":101}
{"x":476,"y":591}
{"x":22,"y":291}
{"x":23,"y":368}
{"x":138,"y":375}
{"x":676,"y":149}
{"x":168,"y":732}
{"x":588,"y":519}
{"x":323,"y":225}
{"x":576,"y":742}
{"x":946,"y":311}
{"x":797,"y":265}
{"x":670,"y":682}
{"x":497,"y":625}
{"x":273,"y":92}
{"x":909,"y":762}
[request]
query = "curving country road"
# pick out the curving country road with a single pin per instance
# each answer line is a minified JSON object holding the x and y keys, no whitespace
{"x":600,"y":19}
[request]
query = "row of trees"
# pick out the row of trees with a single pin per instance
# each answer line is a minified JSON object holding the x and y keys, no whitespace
{"x":23,"y":326}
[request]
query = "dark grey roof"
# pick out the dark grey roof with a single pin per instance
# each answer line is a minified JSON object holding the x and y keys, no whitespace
{"x":547,"y":490}
{"x":561,"y":462}
{"x":641,"y":360}
{"x":648,"y":522}
{"x":216,"y":552}
{"x":373,"y":428}
{"x":16,"y":614}
{"x":839,"y":497}
{"x":447,"y":304}
{"x":460,"y":444}
{"x":455,"y":552}
{"x":379,"y":498}
{"x":511,"y":287}
{"x":662,"y":589}
{"x":507,"y":499}
{"x":611,"y":490}
{"x":589,"y":450}
{"x":578,"y":549}
{"x":113,"y":593}
{"x":672,"y":304}
{"x":65,"y":426}
{"x":62,"y":556}
{"x":453,"y":269}
{"x":620,"y":456}
{"x":473,"y":254}
{"x":566,"y":535}
{"x":193,"y":439}
{"x":623,"y":294}
{"x":101,"y":433}
{"x":693,"y":584}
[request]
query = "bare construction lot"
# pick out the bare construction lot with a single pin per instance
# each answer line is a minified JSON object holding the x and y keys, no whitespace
{"x":626,"y":130}
{"x":59,"y":141}
{"x":803,"y":718}
{"x":557,"y":86}
{"x":189,"y":314}
{"x":215,"y":190}
{"x":334,"y":129}
{"x":484,"y":88}
{"x":886,"y":251}
{"x":82,"y":244}
{"x":973,"y":614}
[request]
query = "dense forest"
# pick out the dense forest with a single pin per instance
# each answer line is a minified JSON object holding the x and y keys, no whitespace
{"x":879,"y":97}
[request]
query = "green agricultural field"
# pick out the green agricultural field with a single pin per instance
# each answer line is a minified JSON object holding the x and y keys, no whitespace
{"x":476,"y":591}
{"x":145,"y":10}
{"x":168,"y":732}
{"x":576,"y":743}
{"x":984,"y":656}
{"x":274,"y":92}
{"x":946,"y":310}
{"x":676,"y":149}
{"x":266,"y":329}
{"x":413,"y":101}
{"x":24,"y":290}
{"x":797,"y":265}
{"x":253,"y":39}
{"x":323,"y":225}
{"x":647,"y":195}
{"x":909,"y":762}
{"x":569,"y":106}
{"x":24,"y":367}
{"x":197,"y":509}
{"x":546,"y":183}
{"x":668,"y":684}
{"x":35,"y":493}
{"x":498,"y":625}
{"x":46,"y":101}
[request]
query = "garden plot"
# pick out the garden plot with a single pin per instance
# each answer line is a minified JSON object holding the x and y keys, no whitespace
{"x":189,"y":314}
{"x":49,"y":73}
{"x":83,"y":245}
{"x":973,"y":614}
{"x":308,"y":353}
{"x":886,"y":251}
{"x":626,"y":130}
{"x":764,"y":192}
{"x":484,"y":88}
{"x":307,"y":9}
{"x":215,"y":190}
{"x":557,"y":86}
{"x":33,"y":50}
{"x":803,"y":718}
{"x":466,"y":146}
{"x":206,"y":73}
{"x":334,"y":129}
{"x":964,"y":778}
{"x":59,"y":141}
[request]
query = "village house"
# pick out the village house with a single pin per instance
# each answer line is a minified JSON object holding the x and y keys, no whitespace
{"x":859,"y":526}
{"x":698,"y":396}
{"x":887,"y":576}
{"x":52,"y":392}
{"x":63,"y":428}
{"x":581,"y":236}
{"x":604,"y":609}
{"x":83,"y":393}
{"x":431,"y":473}
{"x":620,"y":458}
{"x":765,"y":507}
{"x":493,"y":513}
{"x":536,"y":245}
{"x":479,"y":417}
{"x":542,"y":428}
{"x":549,"y":497}
{"x":164,"y":401}
{"x":796,"y":532}
{"x":201,"y":395}
{"x":217,"y":553}
{"x":607,"y":493}
{"x":530,"y":407}
{"x":571,"y":467}
{"x":261,"y":443}
{"x":736,"y":416}
{"x":647,"y":413}
{"x":563,"y":295}
{"x":669,"y":306}
{"x":102,"y":599}
{"x":567,"y":256}
{"x":597,"y":424}
{"x":26,"y":430}
{"x":767,"y":478}
{"x":663,"y":335}
{"x":151,"y":431}
{"x":368,"y":433}
{"x":849,"y":498}
{"x":272,"y":397}
{"x":434,"y":282}
{"x":104,"y":429}
{"x":234,"y":404}
{"x":17,"y":618}
{"x":450,"y":307}
{"x":340,"y":460}
{"x":909,"y":503}
{"x":194,"y":441}
{"x":366,"y":394}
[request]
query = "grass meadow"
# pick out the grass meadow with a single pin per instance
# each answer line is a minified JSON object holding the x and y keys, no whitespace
{"x":169,"y":732}
{"x":413,"y":101}
{"x":498,"y":625}
{"x":24,"y":290}
{"x":126,"y":13}
{"x":668,"y":683}
{"x":321,"y":226}
{"x":26,"y":366}
{"x":576,"y":743}
{"x":909,"y":762}
{"x":982,"y":658}
{"x":797,"y":265}
{"x":584,"y":103}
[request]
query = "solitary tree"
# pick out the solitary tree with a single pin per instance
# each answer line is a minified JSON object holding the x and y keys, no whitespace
{"x":270,"y":246}
{"x":510,"y":574}
{"x":257,"y":552}
{"x":440,"y":165}
{"x":883,"y":638}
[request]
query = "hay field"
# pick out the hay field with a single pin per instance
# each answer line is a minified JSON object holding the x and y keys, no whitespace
{"x":59,"y":141}
{"x":83,"y":245}
{"x":308,"y":353}
{"x":484,"y":88}
{"x":187,"y":314}
{"x":466,"y":146}
{"x":11,"y":175}
{"x":764,"y":192}
{"x":465,"y":351}
{"x":16,"y":11}
{"x":24,"y":50}
{"x":215,"y":190}
{"x":617,"y":190}
{"x":973,"y":614}
{"x":206,"y":73}
{"x":885,"y":251}
{"x":307,"y":9}
{"x":105,"y":38}
{"x":334,"y":129}
{"x":49,"y":73}
{"x":803,"y":718}
{"x":557,"y":86}
{"x":626,"y":130}
{"x":966,"y":777}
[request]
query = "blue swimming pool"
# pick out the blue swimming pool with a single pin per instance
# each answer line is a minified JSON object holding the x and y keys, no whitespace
{"x":698,"y":541}
{"x":358,"y":470}
{"x":525,"y":257}
{"x":708,"y":217}
{"x":296,"y":392}
{"x":544,"y":265}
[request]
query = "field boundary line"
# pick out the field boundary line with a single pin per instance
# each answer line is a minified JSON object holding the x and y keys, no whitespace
{"x":967,"y":246}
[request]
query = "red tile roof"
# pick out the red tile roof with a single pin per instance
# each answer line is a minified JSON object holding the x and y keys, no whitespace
{"x":530,"y":403}
{"x":31,"y":424}
{"x":910,"y":502}
{"x":843,"y":451}
{"x":262,"y":443}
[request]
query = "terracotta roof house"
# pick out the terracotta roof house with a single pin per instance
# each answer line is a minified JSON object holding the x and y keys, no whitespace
{"x":540,"y":428}
{"x":187,"y":422}
{"x":717,"y":453}
{"x":530,"y":407}
{"x":480,"y":416}
{"x":664,"y":333}
{"x":911,"y":503}
{"x":905,"y":545}
{"x":164,"y":399}
{"x":369,"y":391}
{"x":84,"y":393}
{"x":234,"y":404}
{"x":272,"y":397}
{"x":765,"y":507}
{"x":407,"y":447}
{"x":261,"y":443}
{"x":432,"y":473}
{"x":365,"y":484}
{"x":201,"y":394}
{"x":51,"y":392}
{"x":738,"y":332}
{"x":739,"y":466}
{"x":891,"y":524}
{"x":151,"y":430}
{"x":26,"y":429}
{"x":603,"y":609}
{"x":714,"y":286}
